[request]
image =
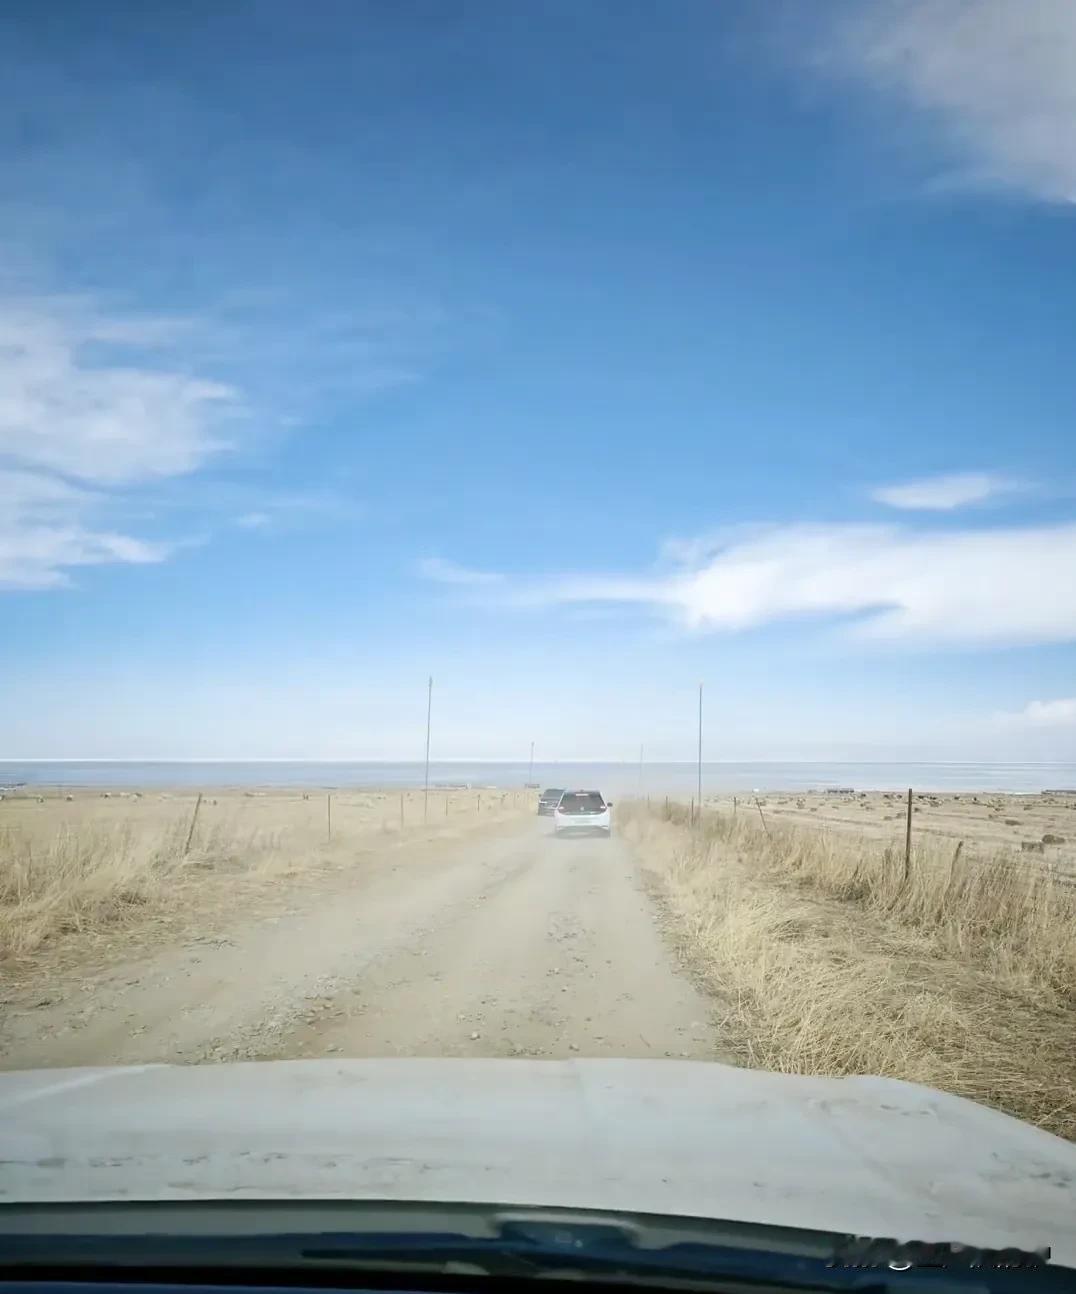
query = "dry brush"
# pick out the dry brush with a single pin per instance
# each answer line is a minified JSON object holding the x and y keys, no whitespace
{"x":828,"y":959}
{"x":86,"y":876}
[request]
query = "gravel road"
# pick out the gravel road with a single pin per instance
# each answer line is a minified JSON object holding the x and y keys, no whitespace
{"x":517,"y":944}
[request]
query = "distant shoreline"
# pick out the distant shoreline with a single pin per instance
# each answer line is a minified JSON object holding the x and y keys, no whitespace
{"x":611,"y":763}
{"x":616,"y":778}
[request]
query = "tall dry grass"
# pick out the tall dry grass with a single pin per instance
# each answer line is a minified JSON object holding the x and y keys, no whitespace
{"x":82,"y":879}
{"x":61,"y":879}
{"x":828,"y":961}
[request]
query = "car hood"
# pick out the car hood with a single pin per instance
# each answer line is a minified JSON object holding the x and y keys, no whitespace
{"x":869,"y":1156}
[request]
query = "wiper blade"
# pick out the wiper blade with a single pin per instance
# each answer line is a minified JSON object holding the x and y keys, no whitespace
{"x":520,"y":1251}
{"x":521,"y":1259}
{"x":514,"y":1243}
{"x":593,"y":1251}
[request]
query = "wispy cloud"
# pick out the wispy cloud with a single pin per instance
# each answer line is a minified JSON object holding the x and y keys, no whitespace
{"x":442,"y":571}
{"x":253,"y":521}
{"x":47,"y":527}
{"x":298,"y":356}
{"x":82,"y":418}
{"x":1058,"y":713}
{"x":998,"y":76}
{"x":110,"y":415}
{"x":943,"y":493}
{"x":987,"y":586}
{"x":259,"y":508}
{"x":64,"y":408}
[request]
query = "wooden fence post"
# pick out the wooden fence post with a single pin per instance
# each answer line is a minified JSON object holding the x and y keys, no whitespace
{"x":329,"y":815}
{"x":194,"y":819}
{"x":908,"y":841}
{"x":763,"y":817}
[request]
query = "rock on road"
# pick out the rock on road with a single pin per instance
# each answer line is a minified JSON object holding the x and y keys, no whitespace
{"x":517,"y":944}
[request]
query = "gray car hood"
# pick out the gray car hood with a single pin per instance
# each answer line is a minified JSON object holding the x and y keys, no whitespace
{"x":865,"y":1155}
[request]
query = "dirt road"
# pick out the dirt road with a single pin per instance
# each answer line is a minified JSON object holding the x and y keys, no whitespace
{"x":515,"y":945}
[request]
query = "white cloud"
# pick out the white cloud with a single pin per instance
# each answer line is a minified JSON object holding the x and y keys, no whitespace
{"x":46,"y":528}
{"x":38,"y":558}
{"x":103,"y":422}
{"x":253,"y":521}
{"x":1059,"y":713}
{"x":999,"y":76}
{"x":1011,"y":585}
{"x":693,"y":550}
{"x":77,"y":421}
{"x":445,"y":572}
{"x":942,"y":493}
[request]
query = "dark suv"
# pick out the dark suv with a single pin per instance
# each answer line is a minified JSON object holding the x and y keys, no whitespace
{"x":548,"y":801}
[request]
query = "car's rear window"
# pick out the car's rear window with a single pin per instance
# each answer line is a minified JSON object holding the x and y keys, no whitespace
{"x":552,"y":793}
{"x":582,"y":802}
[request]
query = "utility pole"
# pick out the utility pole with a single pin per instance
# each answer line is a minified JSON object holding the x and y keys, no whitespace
{"x":530,"y":766}
{"x":700,"y":754}
{"x":426,"y":783}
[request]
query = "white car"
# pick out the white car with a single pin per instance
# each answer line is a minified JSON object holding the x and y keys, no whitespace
{"x":582,"y":812}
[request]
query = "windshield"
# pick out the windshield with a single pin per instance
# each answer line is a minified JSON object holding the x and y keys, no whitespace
{"x":405,"y":404}
{"x":581,"y":802}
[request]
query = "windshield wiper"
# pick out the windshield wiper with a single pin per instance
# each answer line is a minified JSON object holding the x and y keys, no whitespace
{"x":595,"y":1250}
{"x":516,"y":1244}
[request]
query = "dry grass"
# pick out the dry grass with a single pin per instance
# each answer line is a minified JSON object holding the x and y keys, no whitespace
{"x":963,"y":977}
{"x":81,"y":880}
{"x":95,"y":863}
{"x":988,"y":824}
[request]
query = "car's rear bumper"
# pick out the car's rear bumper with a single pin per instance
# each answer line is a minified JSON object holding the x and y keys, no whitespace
{"x":596,"y":826}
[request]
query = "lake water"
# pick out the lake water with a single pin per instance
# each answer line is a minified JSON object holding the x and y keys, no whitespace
{"x":621,"y":779}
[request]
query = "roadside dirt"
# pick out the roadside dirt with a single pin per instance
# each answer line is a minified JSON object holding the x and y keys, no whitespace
{"x":515,"y":944}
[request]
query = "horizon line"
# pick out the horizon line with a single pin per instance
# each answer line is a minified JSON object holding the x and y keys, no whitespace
{"x":520,"y":763}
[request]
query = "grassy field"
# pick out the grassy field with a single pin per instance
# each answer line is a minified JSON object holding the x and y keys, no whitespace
{"x":1042,"y":825}
{"x":827,"y":959}
{"x":82,"y":863}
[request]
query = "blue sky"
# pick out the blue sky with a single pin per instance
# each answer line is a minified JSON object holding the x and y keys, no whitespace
{"x":573,"y":353}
